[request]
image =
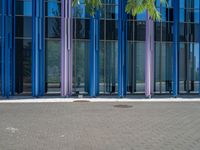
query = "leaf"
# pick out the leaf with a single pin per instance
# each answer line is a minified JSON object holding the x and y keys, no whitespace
{"x":91,"y":5}
{"x":133,"y":7}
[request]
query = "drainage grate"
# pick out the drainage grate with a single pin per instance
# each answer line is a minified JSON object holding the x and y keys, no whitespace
{"x":80,"y":101}
{"x":123,"y":106}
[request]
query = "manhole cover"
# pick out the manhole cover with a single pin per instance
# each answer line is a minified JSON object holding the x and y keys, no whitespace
{"x":123,"y":106}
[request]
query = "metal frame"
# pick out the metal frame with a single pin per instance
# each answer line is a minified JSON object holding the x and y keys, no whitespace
{"x":38,"y":48}
{"x":8,"y":47}
{"x":94,"y":54}
{"x":3,"y":46}
{"x":13,"y":62}
{"x":66,"y":48}
{"x":149,"y":64}
{"x":176,"y":46}
{"x":122,"y":49}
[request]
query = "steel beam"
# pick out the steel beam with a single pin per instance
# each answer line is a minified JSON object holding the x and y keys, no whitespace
{"x":13,"y":55}
{"x":38,"y":48}
{"x":176,"y":46}
{"x":94,"y":54}
{"x":149,"y":64}
{"x":199,"y":51}
{"x":3,"y":17}
{"x":66,"y":48}
{"x":8,"y":48}
{"x":122,"y":49}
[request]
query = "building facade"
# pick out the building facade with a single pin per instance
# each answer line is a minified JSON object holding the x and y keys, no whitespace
{"x":50,"y":48}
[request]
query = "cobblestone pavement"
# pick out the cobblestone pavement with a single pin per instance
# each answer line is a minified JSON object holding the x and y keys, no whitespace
{"x":100,"y":126}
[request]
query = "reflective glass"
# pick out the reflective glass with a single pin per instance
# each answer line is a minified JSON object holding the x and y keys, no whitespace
{"x":136,"y":67}
{"x":23,"y":26}
{"x":81,"y":67}
{"x":24,"y":8}
{"x":189,"y":68}
{"x":163,"y":67}
{"x":108,"y":67}
{"x":81,"y":28}
{"x":23,"y":66}
{"x":52,"y":63}
{"x":53,"y":9}
{"x":53,"y":27}
{"x":52,"y":46}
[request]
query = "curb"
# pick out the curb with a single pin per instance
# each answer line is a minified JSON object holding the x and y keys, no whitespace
{"x":100,"y":100}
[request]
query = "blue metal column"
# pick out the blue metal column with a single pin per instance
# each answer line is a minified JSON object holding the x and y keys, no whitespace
{"x":199,"y":49}
{"x":13,"y":56}
{"x":7,"y":50}
{"x":176,"y":44}
{"x":3,"y":16}
{"x":38,"y":48}
{"x":122,"y":49}
{"x":94,"y":54}
{"x":8,"y":46}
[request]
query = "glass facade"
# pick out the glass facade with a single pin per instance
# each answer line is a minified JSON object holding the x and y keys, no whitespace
{"x":189,"y":47}
{"x":164,"y":49}
{"x":52,"y":45}
{"x":188,"y":54}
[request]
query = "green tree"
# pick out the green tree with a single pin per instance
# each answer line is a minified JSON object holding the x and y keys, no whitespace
{"x":91,"y":5}
{"x":133,"y":7}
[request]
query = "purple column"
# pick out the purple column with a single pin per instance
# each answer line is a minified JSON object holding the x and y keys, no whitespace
{"x":149,"y":66}
{"x":66,"y":48}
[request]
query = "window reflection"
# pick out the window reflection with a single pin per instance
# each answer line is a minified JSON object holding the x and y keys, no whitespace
{"x":24,"y":8}
{"x":188,"y":58}
{"x":52,"y":46}
{"x":53,"y":9}
{"x":23,"y":40}
{"x":189,"y":68}
{"x":52,"y":63}
{"x":23,"y":66}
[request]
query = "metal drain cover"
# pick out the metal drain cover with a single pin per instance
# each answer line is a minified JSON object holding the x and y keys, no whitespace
{"x":123,"y":106}
{"x":80,"y":101}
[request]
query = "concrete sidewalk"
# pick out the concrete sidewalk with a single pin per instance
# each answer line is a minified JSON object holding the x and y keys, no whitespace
{"x":65,"y":100}
{"x":100,"y":126}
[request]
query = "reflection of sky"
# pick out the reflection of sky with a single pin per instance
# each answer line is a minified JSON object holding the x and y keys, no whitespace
{"x":183,"y":15}
{"x":141,"y":16}
{"x":169,"y":3}
{"x":189,"y":3}
{"x":27,"y":8}
{"x":53,"y":9}
{"x":80,"y":11}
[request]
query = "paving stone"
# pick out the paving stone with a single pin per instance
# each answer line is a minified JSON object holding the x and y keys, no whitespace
{"x":100,"y":126}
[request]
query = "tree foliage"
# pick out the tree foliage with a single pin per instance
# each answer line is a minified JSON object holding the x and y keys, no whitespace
{"x":133,"y":7}
{"x":91,"y":5}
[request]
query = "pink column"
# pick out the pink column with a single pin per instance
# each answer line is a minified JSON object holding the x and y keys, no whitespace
{"x":149,"y":64}
{"x":66,"y":48}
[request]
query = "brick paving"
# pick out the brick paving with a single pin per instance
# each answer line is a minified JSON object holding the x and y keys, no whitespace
{"x":100,"y":126}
